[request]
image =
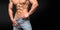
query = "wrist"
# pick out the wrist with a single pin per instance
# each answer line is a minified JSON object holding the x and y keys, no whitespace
{"x":12,"y":19}
{"x":29,"y":13}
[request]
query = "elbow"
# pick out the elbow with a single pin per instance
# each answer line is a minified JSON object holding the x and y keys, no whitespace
{"x":36,"y":4}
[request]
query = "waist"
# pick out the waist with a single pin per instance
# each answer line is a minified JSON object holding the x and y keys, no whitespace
{"x":21,"y":18}
{"x":19,"y":13}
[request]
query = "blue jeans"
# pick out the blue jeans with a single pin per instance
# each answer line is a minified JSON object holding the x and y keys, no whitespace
{"x":23,"y":23}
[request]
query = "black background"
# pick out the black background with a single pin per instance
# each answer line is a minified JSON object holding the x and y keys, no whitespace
{"x":38,"y":18}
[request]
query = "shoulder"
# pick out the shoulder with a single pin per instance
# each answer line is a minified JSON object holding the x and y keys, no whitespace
{"x":10,"y":0}
{"x":33,"y":1}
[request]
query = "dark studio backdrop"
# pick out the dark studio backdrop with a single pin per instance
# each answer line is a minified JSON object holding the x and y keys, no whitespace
{"x":37,"y":18}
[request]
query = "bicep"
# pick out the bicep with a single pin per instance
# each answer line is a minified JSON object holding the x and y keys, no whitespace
{"x":33,"y":1}
{"x":10,"y":5}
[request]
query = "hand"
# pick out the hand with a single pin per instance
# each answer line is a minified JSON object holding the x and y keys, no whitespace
{"x":25,"y":15}
{"x":15,"y":23}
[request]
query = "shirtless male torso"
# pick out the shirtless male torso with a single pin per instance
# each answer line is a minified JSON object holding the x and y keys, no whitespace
{"x":22,"y":12}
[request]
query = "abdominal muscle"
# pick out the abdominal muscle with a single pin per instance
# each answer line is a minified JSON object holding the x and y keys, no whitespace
{"x":22,"y":9}
{"x":19,"y":13}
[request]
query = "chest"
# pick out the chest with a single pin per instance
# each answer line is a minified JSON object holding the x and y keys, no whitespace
{"x":19,"y":1}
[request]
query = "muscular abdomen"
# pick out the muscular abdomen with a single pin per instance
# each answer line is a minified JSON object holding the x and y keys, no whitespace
{"x":19,"y":13}
{"x":22,"y":8}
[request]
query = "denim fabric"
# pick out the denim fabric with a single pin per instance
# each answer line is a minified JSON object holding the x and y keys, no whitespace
{"x":23,"y":23}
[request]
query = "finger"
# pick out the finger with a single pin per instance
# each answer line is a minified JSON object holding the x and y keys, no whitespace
{"x":13,"y":24}
{"x":16,"y":24}
{"x":23,"y":16}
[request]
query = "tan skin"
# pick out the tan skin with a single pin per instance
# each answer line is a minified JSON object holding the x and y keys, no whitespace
{"x":22,"y":9}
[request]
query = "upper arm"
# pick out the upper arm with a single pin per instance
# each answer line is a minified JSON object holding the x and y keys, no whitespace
{"x":33,"y":1}
{"x":10,"y":4}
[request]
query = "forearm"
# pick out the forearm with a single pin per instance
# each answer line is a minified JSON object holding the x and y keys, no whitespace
{"x":10,"y":14}
{"x":33,"y":8}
